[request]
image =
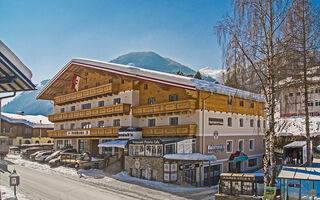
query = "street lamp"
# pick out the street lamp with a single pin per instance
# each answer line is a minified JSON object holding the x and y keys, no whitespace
{"x":14,"y":181}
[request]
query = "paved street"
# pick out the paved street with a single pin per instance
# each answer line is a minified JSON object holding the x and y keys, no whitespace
{"x":38,"y":185}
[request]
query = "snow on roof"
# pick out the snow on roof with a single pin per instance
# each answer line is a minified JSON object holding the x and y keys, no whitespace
{"x":114,"y":143}
{"x":300,"y":173}
{"x":35,"y":121}
{"x":190,"y":156}
{"x":295,"y":126}
{"x":156,"y":76}
{"x":295,"y":144}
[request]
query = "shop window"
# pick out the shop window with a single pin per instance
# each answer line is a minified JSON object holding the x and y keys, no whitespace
{"x":229,"y":146}
{"x":62,"y":110}
{"x":151,"y":100}
{"x":170,"y":148}
{"x":173,"y":121}
{"x":241,"y":103}
{"x":153,"y":150}
{"x":83,"y":146}
{"x":59,"y":144}
{"x":247,"y":188}
{"x":252,"y":162}
{"x":61,"y":126}
{"x":136,"y":150}
{"x":251,"y":122}
{"x":116,"y":122}
{"x":116,"y":101}
{"x":67,"y":143}
{"x":240,"y":144}
{"x":72,"y":126}
{"x":100,"y":124}
{"x":251,"y":145}
{"x":100,"y":103}
{"x":73,"y":108}
{"x":85,"y":125}
{"x":86,"y":106}
{"x":241,"y":122}
{"x":230,"y":122}
{"x":173,"y":97}
{"x":151,"y":122}
{"x":225,"y":186}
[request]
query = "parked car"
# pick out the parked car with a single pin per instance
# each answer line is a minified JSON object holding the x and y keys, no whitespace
{"x":53,"y":156}
{"x":33,"y":156}
{"x":42,"y":156}
{"x":27,"y":152}
{"x":14,"y":149}
{"x":55,"y":162}
{"x":57,"y":153}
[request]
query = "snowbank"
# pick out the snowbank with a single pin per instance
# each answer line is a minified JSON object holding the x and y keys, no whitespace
{"x":7,"y":193}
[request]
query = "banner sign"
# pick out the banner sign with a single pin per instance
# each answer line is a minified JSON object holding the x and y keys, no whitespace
{"x":215,"y":121}
{"x":215,"y":148}
{"x":72,"y":133}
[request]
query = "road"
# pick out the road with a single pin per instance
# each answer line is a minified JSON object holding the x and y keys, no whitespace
{"x":37,"y":185}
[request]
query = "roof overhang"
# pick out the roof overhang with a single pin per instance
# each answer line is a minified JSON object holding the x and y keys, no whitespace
{"x":14,"y":75}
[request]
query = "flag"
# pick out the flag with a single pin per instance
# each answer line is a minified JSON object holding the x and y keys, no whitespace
{"x":75,"y":82}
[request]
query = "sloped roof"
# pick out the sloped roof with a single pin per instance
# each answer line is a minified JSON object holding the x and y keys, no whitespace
{"x":155,"y":76}
{"x":34,"y":121}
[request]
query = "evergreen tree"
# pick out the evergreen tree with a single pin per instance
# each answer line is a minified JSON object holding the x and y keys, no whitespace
{"x":198,"y":75}
{"x":180,"y":73}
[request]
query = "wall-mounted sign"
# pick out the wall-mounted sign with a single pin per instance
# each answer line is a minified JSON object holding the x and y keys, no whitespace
{"x":71,"y":133}
{"x":130,"y":135}
{"x":137,"y":164}
{"x":215,"y":135}
{"x":215,"y":148}
{"x":145,"y":142}
{"x":215,"y":121}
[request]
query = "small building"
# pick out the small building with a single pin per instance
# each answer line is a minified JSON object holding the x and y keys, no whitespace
{"x":299,"y":183}
{"x":295,"y":153}
{"x":25,"y":129}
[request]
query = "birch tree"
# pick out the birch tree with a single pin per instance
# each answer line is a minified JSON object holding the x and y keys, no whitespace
{"x":255,"y":28}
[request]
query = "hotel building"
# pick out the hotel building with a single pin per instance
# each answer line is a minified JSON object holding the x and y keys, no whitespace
{"x":94,"y":99}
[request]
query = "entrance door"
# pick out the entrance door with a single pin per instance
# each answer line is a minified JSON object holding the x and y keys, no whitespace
{"x":238,"y":167}
{"x":211,"y":175}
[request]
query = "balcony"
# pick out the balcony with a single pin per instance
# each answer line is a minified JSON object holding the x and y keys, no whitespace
{"x":170,"y":131}
{"x":89,"y":132}
{"x":163,"y":108}
{"x":91,"y":113}
{"x":84,"y":94}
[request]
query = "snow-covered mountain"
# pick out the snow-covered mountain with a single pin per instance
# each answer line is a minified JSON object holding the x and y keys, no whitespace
{"x":217,"y":74}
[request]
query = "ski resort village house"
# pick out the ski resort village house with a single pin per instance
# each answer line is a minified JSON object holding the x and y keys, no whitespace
{"x":165,"y":127}
{"x":25,"y":129}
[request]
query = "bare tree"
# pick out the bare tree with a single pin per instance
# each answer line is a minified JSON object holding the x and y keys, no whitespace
{"x":303,"y":33}
{"x":255,"y":28}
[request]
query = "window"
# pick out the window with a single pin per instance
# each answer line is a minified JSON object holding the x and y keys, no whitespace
{"x":230,"y":122}
{"x":251,"y":145}
{"x":153,"y":150}
{"x":83,"y":146}
{"x":240,"y":145}
{"x":173,"y":121}
{"x":290,"y":94}
{"x":264,"y":143}
{"x":317,"y":90}
{"x":229,"y":146}
{"x":86,"y":106}
{"x":173,"y":97}
{"x":72,"y":126}
{"x":241,"y":103}
{"x":310,"y":103}
{"x":251,"y":122}
{"x":151,"y":122}
{"x":136,"y":150}
{"x":61,"y":126}
{"x":252,"y":105}
{"x":100,"y":124}
{"x":85,"y":125}
{"x":145,"y":86}
{"x":252,"y":162}
{"x":317,"y":102}
{"x":73,"y":108}
{"x":229,"y":100}
{"x":100,"y":103}
{"x":258,"y":123}
{"x":264,"y":123}
{"x":116,"y":122}
{"x":62,"y":110}
{"x":86,"y":87}
{"x":98,"y":84}
{"x":152,"y":100}
{"x":241,"y":122}
{"x":298,"y":93}
{"x":110,"y":80}
{"x":310,"y":91}
{"x":170,"y":148}
{"x":116,"y":101}
{"x":122,"y":81}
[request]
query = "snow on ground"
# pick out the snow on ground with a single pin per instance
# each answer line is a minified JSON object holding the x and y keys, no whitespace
{"x":7,"y":193}
{"x":99,"y":176}
{"x":124,"y":176}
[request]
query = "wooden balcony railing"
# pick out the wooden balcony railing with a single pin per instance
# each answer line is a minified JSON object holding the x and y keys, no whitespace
{"x":170,"y":131}
{"x":92,"y":112}
{"x":169,"y":107}
{"x":84,"y":94}
{"x":89,"y":132}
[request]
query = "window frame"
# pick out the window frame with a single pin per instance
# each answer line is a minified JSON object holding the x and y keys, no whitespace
{"x":253,"y":146}
{"x":231,"y":151}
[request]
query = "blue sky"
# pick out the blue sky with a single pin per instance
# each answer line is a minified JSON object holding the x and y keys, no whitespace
{"x":46,"y":34}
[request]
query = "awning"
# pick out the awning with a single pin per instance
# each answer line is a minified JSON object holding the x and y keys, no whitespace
{"x":238,"y":156}
{"x":14,"y":75}
{"x":190,"y":156}
{"x":300,"y":173}
{"x":114,"y":143}
{"x":296,"y":144}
